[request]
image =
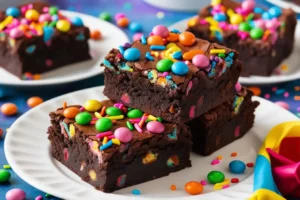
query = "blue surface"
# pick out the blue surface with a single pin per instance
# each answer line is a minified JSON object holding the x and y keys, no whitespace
{"x":137,"y":11}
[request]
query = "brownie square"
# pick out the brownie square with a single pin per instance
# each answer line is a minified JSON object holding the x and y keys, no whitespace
{"x":37,"y":42}
{"x":223,"y":124}
{"x":150,"y":155}
{"x":264,"y":38}
{"x":175,"y":98}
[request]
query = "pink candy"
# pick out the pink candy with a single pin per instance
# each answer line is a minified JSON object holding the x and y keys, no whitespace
{"x":155,"y":127}
{"x":238,"y":87}
{"x":200,"y":61}
{"x":160,"y":30}
{"x":45,"y":17}
{"x":248,"y":5}
{"x":283,"y":104}
{"x":215,"y":162}
{"x":16,"y":33}
{"x":272,"y":24}
{"x":119,"y":16}
{"x":260,"y":23}
{"x":123,"y":134}
{"x":15,"y":194}
{"x":137,"y":36}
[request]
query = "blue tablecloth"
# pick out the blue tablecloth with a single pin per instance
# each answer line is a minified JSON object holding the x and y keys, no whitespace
{"x":137,"y":11}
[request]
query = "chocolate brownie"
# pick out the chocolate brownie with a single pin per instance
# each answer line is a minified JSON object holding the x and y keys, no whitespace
{"x":223,"y":124}
{"x":35,"y":38}
{"x":179,"y":83}
{"x":127,"y":155}
{"x":264,"y":38}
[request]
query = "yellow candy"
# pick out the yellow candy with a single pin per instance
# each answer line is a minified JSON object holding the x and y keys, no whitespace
{"x":215,"y":2}
{"x":215,"y":28}
{"x":171,"y":44}
{"x":105,"y":139}
{"x":63,"y":25}
{"x":72,"y":130}
{"x":211,"y":21}
{"x":92,"y":105}
{"x":115,"y":117}
{"x":93,"y":175}
{"x":5,"y":22}
{"x":152,"y":118}
{"x":236,"y":19}
{"x":230,"y":12}
{"x":216,"y":51}
{"x":192,"y":22}
{"x":116,"y":141}
{"x":32,"y":15}
{"x":97,"y":115}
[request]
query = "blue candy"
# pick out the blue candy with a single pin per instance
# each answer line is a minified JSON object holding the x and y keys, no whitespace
{"x":77,"y":21}
{"x":132,"y":54}
{"x":135,"y":27}
{"x":157,"y":47}
{"x":180,"y":68}
{"x":177,"y":55}
{"x":54,"y":17}
{"x":258,"y":10}
{"x":266,"y":16}
{"x":275,"y":11}
{"x":13,"y":11}
{"x":136,"y":192}
{"x":237,"y":167}
{"x":220,"y":17}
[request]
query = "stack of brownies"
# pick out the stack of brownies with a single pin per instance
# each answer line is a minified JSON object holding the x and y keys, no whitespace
{"x":170,"y":93}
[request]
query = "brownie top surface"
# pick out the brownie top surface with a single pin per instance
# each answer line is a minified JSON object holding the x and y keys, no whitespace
{"x":38,"y":20}
{"x":127,"y":127}
{"x":247,"y":20}
{"x":170,"y":58}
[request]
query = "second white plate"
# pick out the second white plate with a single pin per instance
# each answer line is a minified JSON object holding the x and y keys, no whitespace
{"x":112,"y":37}
{"x":291,"y":73}
{"x":28,"y":152}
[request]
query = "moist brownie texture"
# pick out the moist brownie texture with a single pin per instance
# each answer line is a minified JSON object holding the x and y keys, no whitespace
{"x":175,"y":80}
{"x":121,"y":158}
{"x":264,"y":38}
{"x":36,"y":38}
{"x":223,"y":124}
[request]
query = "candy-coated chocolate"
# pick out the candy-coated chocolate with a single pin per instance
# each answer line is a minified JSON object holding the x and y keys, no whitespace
{"x":220,"y":17}
{"x":71,"y":112}
{"x":106,"y":16}
{"x":244,"y":26}
{"x":16,"y":33}
{"x":92,"y":105}
{"x":4,"y":175}
{"x":236,"y":19}
{"x":256,"y":33}
{"x":275,"y":11}
{"x":137,"y":36}
{"x":237,"y":167}
{"x":45,"y":17}
{"x":32,"y":15}
{"x":173,"y":37}
{"x":63,"y":25}
{"x":283,"y":104}
{"x":119,"y":16}
{"x":155,"y":127}
{"x":248,"y":4}
{"x":15,"y":194}
{"x":190,"y":54}
{"x":238,"y":87}
{"x":113,"y":111}
{"x":34,"y":101}
{"x":123,"y":22}
{"x":95,"y":35}
{"x":266,"y":16}
{"x":132,"y":54}
{"x":215,"y":177}
{"x":260,"y":23}
{"x":135,"y":113}
{"x":164,"y":65}
{"x":135,"y":27}
{"x":200,"y":61}
{"x":83,"y":118}
{"x":77,"y":21}
{"x":53,"y":10}
{"x":9,"y":109}
{"x":155,"y":40}
{"x":187,"y":38}
{"x":180,"y":68}
{"x":123,"y":134}
{"x":193,"y":187}
{"x":103,"y":124}
{"x":13,"y":11}
{"x":160,"y":30}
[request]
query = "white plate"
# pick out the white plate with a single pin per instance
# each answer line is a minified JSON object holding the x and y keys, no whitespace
{"x":286,"y":4}
{"x":292,"y":73}
{"x":112,"y":37}
{"x":28,"y":152}
{"x":179,"y":5}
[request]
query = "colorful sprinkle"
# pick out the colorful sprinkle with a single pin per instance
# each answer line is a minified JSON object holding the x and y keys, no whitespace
{"x":234,"y":154}
{"x":136,"y":192}
{"x":107,"y":145}
{"x":173,"y":187}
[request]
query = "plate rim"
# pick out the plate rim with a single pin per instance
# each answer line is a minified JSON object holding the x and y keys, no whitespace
{"x":264,"y":80}
{"x":44,"y":187}
{"x":45,"y":82}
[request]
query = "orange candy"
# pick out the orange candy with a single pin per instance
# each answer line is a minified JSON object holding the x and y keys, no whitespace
{"x":96,"y":35}
{"x":256,"y":90}
{"x":173,"y":37}
{"x":173,"y":187}
{"x":194,"y":187}
{"x":155,"y":40}
{"x":190,"y":54}
{"x":187,"y":38}
{"x":71,"y":112}
{"x":9,"y":109}
{"x":123,"y":22}
{"x":34,"y":101}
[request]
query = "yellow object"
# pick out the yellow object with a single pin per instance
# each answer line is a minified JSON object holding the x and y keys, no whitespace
{"x":216,"y":2}
{"x":263,"y":194}
{"x":72,"y":130}
{"x":116,"y":141}
{"x":192,"y":22}
{"x":219,"y":157}
{"x":149,"y":158}
{"x":217,"y":51}
{"x":152,"y":118}
{"x":115,"y":117}
{"x":93,"y":175}
{"x":92,"y":105}
{"x":236,"y":19}
{"x":63,"y":25}
{"x":32,"y":15}
{"x":5,"y":22}
{"x":230,"y":12}
{"x":211,"y":21}
{"x":97,"y":115}
{"x":105,"y":139}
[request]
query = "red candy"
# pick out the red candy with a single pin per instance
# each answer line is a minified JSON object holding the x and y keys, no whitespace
{"x":235,"y":180}
{"x":250,"y":165}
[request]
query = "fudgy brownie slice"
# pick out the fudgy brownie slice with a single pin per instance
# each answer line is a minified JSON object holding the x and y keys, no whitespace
{"x":172,"y":75}
{"x":117,"y":147}
{"x":223,"y":124}
{"x":264,"y":38}
{"x":35,"y":38}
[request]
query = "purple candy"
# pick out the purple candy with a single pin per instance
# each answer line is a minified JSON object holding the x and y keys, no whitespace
{"x":155,"y":127}
{"x":15,"y":194}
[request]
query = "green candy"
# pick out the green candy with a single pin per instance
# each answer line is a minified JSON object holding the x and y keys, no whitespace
{"x":244,"y":27}
{"x":256,"y":33}
{"x":221,"y":55}
{"x":135,"y":113}
{"x":164,"y":65}
{"x":4,"y":175}
{"x":83,"y":118}
{"x":159,"y":119}
{"x":215,"y":177}
{"x":53,"y":10}
{"x":105,"y":16}
{"x":103,"y":124}
{"x":113,"y":111}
